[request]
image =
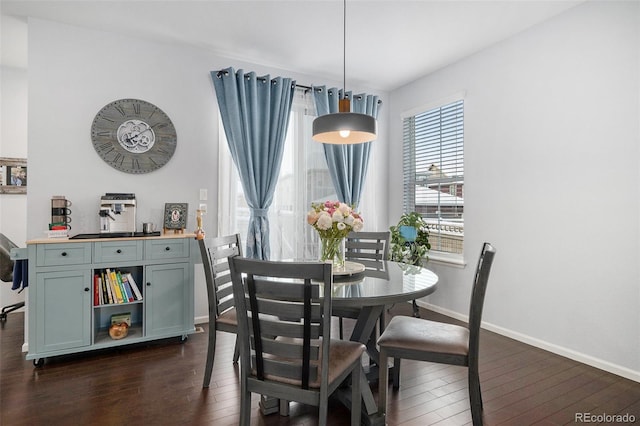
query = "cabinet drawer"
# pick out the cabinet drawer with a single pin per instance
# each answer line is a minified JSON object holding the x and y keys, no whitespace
{"x":63,"y":254}
{"x":117,"y":251}
{"x":167,"y":249}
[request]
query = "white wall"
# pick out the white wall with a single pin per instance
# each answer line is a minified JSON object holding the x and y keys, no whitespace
{"x":551,"y":157}
{"x":74,"y":72}
{"x":13,"y":143}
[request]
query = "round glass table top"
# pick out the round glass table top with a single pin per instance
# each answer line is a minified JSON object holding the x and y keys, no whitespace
{"x":387,"y":282}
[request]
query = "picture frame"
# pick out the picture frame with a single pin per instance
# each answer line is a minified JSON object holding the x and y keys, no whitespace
{"x":13,"y":175}
{"x":175,"y":216}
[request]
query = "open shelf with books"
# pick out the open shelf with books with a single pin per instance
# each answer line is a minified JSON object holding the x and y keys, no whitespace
{"x":114,"y":286}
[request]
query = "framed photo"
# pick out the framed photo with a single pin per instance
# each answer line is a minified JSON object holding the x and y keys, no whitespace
{"x":13,"y":175}
{"x":175,"y":216}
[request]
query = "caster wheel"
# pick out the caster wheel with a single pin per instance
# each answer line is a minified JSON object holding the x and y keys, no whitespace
{"x":38,"y":362}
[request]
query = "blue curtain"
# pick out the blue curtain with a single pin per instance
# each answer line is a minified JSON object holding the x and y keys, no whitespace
{"x":347,"y":164}
{"x":255,"y":115}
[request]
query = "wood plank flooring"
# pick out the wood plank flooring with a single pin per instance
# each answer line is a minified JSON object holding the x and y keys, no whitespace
{"x":161,"y":384}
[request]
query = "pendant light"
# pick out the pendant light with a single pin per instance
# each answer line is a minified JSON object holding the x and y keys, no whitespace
{"x":344,"y":127}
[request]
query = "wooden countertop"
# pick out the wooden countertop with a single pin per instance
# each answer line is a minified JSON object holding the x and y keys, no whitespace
{"x":89,"y":240}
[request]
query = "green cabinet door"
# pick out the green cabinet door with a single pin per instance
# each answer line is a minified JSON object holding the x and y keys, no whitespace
{"x":167,"y":291}
{"x":63,"y":310}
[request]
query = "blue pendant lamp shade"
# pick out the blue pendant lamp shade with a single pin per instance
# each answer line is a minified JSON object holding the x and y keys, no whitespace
{"x":344,"y":127}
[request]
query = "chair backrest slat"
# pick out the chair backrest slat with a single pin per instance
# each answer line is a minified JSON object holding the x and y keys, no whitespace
{"x":290,"y":329}
{"x":291,"y":371}
{"x":287,"y":309}
{"x":283,"y":348}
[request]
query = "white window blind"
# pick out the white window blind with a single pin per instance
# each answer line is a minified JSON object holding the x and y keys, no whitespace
{"x":433,"y":165}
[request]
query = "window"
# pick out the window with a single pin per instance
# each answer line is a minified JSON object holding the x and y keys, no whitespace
{"x":304,"y":178}
{"x":433,"y":168}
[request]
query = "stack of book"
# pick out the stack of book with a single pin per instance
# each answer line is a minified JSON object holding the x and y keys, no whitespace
{"x":113,"y":287}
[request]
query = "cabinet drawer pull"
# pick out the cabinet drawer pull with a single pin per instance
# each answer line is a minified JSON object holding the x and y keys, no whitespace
{"x":64,"y":253}
{"x":86,"y":289}
{"x":148,"y":284}
{"x":167,"y":248}
{"x":118,"y":251}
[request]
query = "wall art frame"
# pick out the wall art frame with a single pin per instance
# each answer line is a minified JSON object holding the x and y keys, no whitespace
{"x":175,"y":217}
{"x":13,"y":175}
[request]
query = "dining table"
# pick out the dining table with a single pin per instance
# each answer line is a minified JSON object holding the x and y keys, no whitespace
{"x":363,"y":290}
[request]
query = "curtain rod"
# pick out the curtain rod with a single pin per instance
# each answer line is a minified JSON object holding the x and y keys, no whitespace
{"x":298,"y":86}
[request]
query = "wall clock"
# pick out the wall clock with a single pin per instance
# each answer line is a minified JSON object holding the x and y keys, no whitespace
{"x":133,"y":136}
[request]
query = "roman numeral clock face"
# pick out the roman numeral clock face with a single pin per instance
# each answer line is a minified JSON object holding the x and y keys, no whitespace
{"x":133,"y":136}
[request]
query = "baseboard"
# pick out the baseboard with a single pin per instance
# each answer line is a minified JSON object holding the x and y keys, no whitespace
{"x":201,"y":320}
{"x":556,"y":349}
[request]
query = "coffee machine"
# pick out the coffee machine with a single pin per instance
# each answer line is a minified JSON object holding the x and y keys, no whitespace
{"x":117,"y":212}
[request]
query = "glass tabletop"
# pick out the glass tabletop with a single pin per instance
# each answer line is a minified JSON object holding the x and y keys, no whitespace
{"x":383,"y":282}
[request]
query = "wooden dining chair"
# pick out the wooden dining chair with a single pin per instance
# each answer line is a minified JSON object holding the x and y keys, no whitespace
{"x":369,"y":248}
{"x":424,"y":340}
{"x":284,"y":333}
{"x":222,"y":314}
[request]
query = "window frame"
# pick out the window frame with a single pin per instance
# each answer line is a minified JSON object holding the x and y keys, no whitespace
{"x":456,"y":259}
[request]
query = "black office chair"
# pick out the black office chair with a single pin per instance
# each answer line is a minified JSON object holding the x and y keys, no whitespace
{"x":6,"y":272}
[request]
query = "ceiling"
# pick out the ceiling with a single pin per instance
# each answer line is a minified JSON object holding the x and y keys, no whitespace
{"x":388,"y":43}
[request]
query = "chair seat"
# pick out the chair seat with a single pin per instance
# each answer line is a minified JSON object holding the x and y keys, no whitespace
{"x":229,"y":317}
{"x":409,"y":333}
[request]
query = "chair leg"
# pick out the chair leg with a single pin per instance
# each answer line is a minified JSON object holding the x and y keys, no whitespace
{"x":340,"y":328}
{"x":383,"y":383}
{"x":236,"y":352}
{"x":396,"y":373}
{"x":323,"y":409}
{"x":356,"y":395}
{"x":416,"y":309}
{"x":475,"y":397}
{"x":211,"y":352}
{"x":245,"y":404}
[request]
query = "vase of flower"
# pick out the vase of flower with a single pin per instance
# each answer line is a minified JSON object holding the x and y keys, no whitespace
{"x":332,"y":249}
{"x":333,"y":220}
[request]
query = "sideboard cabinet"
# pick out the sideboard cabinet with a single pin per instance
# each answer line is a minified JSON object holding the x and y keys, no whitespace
{"x":67,"y":313}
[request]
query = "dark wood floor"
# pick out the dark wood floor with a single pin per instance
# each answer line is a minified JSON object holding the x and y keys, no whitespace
{"x":161,"y":384}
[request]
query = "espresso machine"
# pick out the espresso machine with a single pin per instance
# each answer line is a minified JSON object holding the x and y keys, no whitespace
{"x":117,"y":212}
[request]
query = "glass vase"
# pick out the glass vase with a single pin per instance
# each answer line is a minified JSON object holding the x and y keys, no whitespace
{"x":332,"y":249}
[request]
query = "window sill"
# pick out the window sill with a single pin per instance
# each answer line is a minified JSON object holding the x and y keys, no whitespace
{"x":449,"y":259}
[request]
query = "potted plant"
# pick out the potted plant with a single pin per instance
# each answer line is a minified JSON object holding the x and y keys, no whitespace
{"x":410,"y":239}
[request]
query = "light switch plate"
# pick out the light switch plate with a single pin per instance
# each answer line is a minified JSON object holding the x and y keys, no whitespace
{"x":203,"y":194}
{"x":203,"y":208}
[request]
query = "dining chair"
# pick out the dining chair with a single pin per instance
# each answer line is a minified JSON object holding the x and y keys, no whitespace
{"x":222,"y":314}
{"x":369,"y":248}
{"x":284,"y":334}
{"x":424,"y":340}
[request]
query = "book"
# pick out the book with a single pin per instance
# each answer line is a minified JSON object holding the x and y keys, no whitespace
{"x":105,"y":296}
{"x":134,"y":286}
{"x":107,"y":286}
{"x":125,"y":285}
{"x":114,"y":285}
{"x":96,"y":291}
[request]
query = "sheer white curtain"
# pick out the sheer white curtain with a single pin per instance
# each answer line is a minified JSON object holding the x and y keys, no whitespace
{"x":304,"y":178}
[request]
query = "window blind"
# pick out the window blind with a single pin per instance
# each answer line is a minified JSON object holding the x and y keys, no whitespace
{"x":433,"y":169}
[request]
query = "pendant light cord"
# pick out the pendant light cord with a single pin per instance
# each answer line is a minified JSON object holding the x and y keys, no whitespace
{"x":344,"y":47}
